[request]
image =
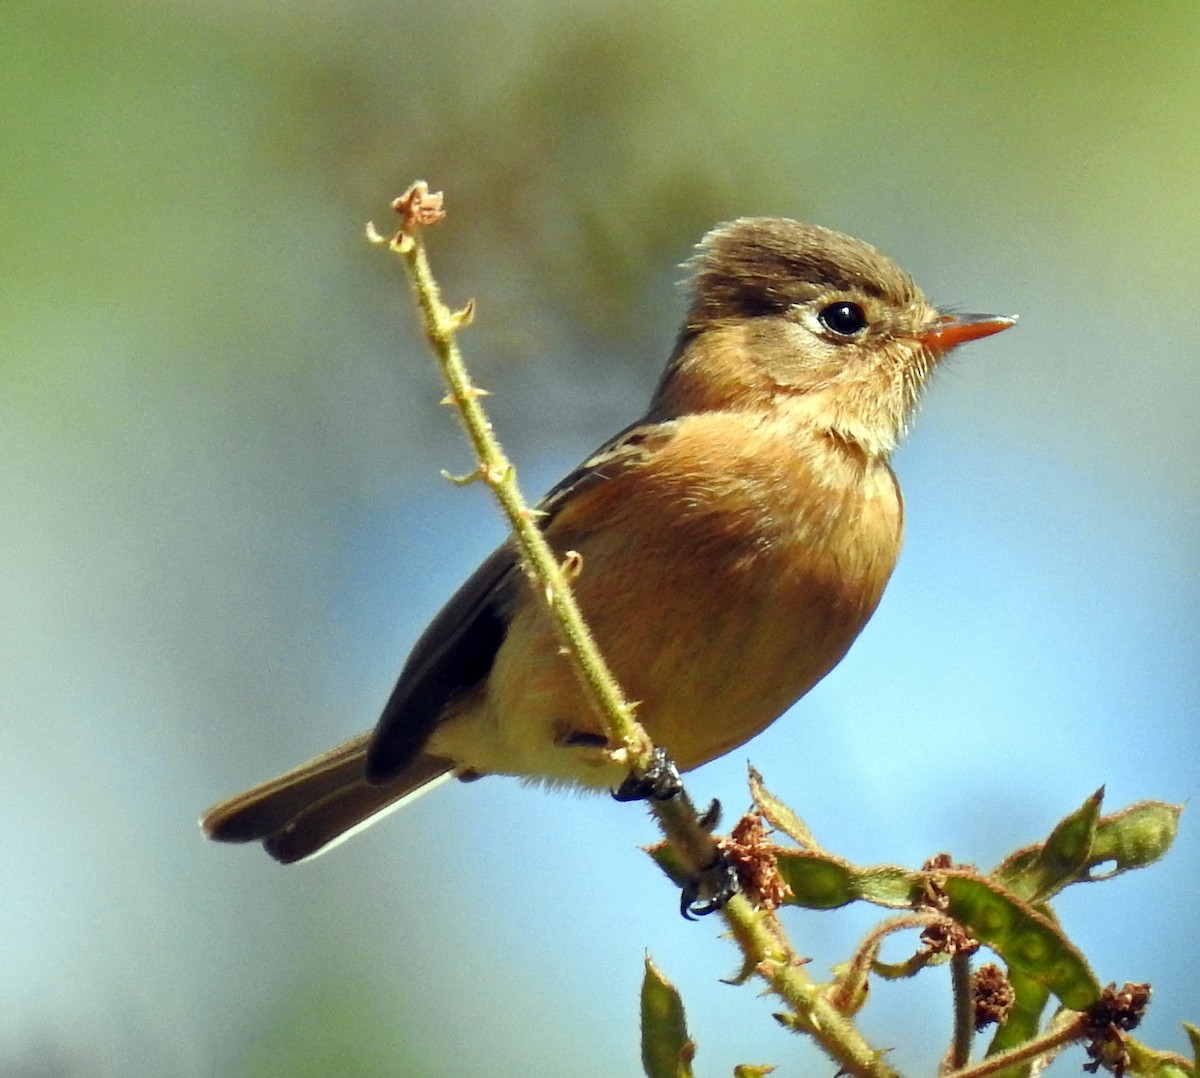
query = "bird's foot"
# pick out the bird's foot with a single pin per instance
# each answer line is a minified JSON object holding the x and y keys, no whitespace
{"x":710,"y":889}
{"x":660,"y":782}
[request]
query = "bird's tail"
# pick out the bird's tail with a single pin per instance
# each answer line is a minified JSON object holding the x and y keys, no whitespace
{"x":320,"y":803}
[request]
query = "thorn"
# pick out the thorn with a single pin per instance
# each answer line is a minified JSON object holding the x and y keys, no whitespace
{"x":400,"y":243}
{"x":495,"y":475}
{"x":471,"y":393}
{"x":572,"y":564}
{"x":463,"y":317}
{"x":462,"y":480}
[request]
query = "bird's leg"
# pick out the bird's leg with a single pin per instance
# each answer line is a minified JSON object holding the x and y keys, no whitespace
{"x":581,"y":739}
{"x":716,"y":883}
{"x":595,"y":750}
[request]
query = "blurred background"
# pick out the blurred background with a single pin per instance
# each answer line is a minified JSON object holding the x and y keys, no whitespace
{"x":222,"y":524}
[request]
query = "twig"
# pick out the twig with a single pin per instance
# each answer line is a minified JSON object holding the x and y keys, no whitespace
{"x":419,"y":207}
{"x":757,"y":932}
{"x":1072,"y":1030}
{"x":964,"y":1010}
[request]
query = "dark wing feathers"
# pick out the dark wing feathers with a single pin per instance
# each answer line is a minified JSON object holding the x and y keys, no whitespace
{"x":623,"y":449}
{"x":454,"y":652}
{"x":457,"y":649}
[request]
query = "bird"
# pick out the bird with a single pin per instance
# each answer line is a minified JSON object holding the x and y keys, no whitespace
{"x":731,"y":544}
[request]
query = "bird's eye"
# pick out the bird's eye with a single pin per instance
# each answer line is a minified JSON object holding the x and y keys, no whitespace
{"x":844,"y":319}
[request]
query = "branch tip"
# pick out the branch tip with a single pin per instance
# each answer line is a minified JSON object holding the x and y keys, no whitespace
{"x":419,"y":207}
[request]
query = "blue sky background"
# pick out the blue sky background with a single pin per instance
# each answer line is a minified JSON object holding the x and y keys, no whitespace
{"x":223,"y":524}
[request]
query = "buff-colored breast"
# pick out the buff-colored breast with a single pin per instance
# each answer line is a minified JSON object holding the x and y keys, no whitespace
{"x":734,"y":587}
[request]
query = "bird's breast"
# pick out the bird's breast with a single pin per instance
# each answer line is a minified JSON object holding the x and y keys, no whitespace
{"x":722,"y":577}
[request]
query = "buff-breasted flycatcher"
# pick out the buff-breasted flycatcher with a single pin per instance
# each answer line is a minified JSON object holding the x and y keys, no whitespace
{"x":734,"y":541}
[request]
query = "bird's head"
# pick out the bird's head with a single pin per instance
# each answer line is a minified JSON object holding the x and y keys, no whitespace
{"x":827,"y":327}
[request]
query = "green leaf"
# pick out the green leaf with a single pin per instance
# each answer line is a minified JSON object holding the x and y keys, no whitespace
{"x":1146,"y":1062}
{"x":1024,"y":1020}
{"x":1134,"y":837}
{"x":667,"y":1050}
{"x":1028,"y":941}
{"x":1038,"y":872}
{"x":778,"y":815}
{"x":818,"y":881}
{"x":752,"y":1070}
{"x":823,"y":881}
{"x":1194,"y":1039}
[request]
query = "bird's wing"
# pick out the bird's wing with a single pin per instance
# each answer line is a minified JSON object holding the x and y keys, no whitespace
{"x":458,"y":648}
{"x":624,"y":449}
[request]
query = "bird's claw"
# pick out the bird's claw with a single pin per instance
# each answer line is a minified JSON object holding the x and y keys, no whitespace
{"x":711,"y":816}
{"x":709,"y":890}
{"x":660,"y":782}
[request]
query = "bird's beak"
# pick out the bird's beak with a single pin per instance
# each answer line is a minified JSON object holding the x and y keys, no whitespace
{"x":955,"y":329}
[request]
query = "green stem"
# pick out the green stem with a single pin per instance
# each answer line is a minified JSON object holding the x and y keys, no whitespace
{"x":964,"y":1011}
{"x":757,"y":932}
{"x":495,"y":469}
{"x":1072,"y":1030}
